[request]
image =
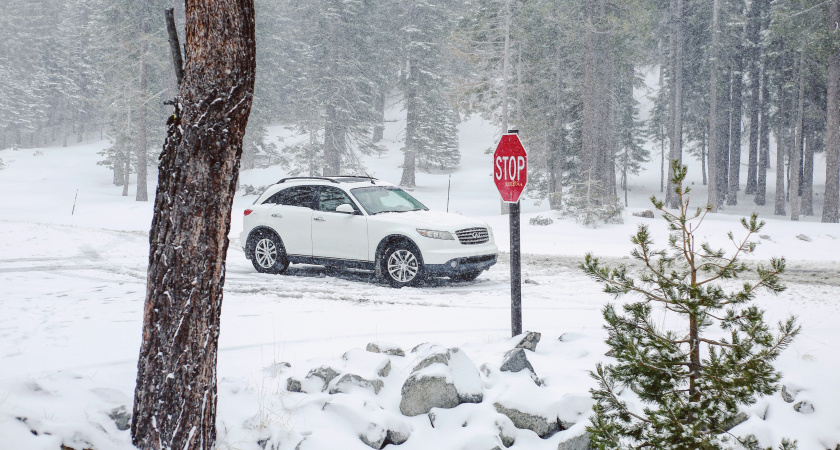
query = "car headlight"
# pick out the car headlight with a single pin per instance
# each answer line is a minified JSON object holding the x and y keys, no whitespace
{"x":434,"y":234}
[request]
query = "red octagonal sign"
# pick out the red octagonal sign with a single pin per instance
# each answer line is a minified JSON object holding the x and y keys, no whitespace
{"x":510,"y":168}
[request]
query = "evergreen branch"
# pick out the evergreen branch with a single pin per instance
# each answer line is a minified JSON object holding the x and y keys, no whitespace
{"x":720,"y":344}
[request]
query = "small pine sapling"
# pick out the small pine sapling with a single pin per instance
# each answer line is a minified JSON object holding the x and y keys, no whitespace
{"x":713,"y":354}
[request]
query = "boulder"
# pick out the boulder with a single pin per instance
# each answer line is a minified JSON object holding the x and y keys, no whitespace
{"x":325,"y":373}
{"x":349,"y":381}
{"x":367,"y":363}
{"x":293,"y":385}
{"x":739,"y":418}
{"x":543,"y":426}
{"x":507,"y":430}
{"x":276,"y":370}
{"x":121,"y":418}
{"x":804,"y":407}
{"x":802,"y":237}
{"x":516,"y":360}
{"x":528,"y":340}
{"x":386,"y":348}
{"x":576,"y":443}
{"x":443,"y":379}
{"x":541,"y":221}
{"x":422,"y":393}
{"x":647,"y":214}
{"x":788,"y":393}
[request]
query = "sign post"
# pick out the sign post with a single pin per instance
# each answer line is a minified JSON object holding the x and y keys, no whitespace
{"x":510,"y":173}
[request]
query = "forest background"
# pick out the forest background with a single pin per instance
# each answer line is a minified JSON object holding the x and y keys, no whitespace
{"x":736,"y":79}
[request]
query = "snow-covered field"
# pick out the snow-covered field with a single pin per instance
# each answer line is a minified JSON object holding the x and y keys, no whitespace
{"x":72,"y":284}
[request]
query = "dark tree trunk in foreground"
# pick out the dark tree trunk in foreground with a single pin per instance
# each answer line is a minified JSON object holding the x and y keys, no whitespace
{"x":832,"y":134}
{"x":175,"y":397}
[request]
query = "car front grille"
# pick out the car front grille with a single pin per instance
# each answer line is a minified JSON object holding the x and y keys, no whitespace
{"x":472,"y":236}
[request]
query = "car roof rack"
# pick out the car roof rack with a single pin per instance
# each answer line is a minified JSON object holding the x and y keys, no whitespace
{"x":331,"y":178}
{"x":306,"y":178}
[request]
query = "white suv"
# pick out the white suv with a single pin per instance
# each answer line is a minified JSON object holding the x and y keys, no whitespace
{"x":362,"y":222}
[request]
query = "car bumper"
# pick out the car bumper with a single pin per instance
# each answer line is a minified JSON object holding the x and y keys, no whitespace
{"x":457,"y":266}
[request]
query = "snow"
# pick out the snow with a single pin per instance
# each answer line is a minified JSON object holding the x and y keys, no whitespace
{"x":72,"y":285}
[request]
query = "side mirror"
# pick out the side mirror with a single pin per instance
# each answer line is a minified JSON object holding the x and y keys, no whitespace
{"x":345,"y":208}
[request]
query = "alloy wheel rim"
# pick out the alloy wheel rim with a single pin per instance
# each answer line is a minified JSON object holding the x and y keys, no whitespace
{"x":403,"y":266}
{"x":266,"y":253}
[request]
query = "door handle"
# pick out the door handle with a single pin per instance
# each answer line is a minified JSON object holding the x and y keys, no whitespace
{"x":279,"y":216}
{"x":319,"y":219}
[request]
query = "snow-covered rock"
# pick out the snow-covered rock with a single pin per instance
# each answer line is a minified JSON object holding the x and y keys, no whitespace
{"x":386,"y":348}
{"x":445,"y":378}
{"x":349,"y":382}
{"x":527,"y":340}
{"x":319,"y":378}
{"x":516,"y":361}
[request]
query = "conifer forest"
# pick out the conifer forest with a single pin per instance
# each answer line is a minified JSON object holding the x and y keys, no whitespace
{"x":740,"y":83}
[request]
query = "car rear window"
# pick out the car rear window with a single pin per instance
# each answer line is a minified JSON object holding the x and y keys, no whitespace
{"x":294,"y":196}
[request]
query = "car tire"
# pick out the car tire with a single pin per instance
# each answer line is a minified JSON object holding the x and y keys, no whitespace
{"x":402,"y":265}
{"x":267,"y":253}
{"x":467,"y":276}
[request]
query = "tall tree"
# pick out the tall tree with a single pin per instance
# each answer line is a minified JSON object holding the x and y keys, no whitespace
{"x":430,"y":138}
{"x":675,"y":88}
{"x":176,"y":394}
{"x":753,"y":46}
{"x":831,"y":207}
{"x":715,"y":165}
{"x":735,"y":117}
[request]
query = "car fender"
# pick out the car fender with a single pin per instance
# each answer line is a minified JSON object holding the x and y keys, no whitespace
{"x":393,"y":238}
{"x":249,"y":244}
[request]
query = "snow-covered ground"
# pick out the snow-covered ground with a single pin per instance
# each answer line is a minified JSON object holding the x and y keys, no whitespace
{"x":73,"y":254}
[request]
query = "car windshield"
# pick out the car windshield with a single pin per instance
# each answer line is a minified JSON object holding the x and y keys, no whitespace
{"x":380,"y":199}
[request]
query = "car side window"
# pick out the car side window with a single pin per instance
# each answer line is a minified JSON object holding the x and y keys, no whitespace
{"x":294,"y":196}
{"x":330,"y":198}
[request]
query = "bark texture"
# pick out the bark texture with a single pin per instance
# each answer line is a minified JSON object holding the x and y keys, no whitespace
{"x":175,"y":397}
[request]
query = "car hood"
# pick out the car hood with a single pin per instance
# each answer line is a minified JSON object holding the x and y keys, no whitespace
{"x":433,"y":220}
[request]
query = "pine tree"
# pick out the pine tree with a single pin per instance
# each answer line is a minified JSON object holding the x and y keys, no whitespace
{"x":691,"y":384}
{"x":430,"y":139}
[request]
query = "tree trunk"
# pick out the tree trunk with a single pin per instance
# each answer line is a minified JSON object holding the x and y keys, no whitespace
{"x":411,"y":106}
{"x":781,"y":150}
{"x":763,"y":141}
{"x":735,"y":127}
{"x":555,"y":147}
{"x":334,"y":142}
{"x":713,"y":111}
{"x":754,"y":54}
{"x":598,"y":140}
{"x":807,"y":182}
{"x":831,"y":209}
{"x":795,"y":162}
{"x":175,"y":398}
{"x":379,"y":129}
{"x":676,"y":61}
{"x":703,"y":158}
{"x":142,"y":147}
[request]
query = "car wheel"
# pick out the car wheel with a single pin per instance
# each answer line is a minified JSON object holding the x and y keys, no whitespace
{"x":402,"y":266}
{"x":267,"y":253}
{"x":468,"y":276}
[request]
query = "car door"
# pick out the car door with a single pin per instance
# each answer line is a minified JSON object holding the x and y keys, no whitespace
{"x":338,"y":235}
{"x":291,"y":217}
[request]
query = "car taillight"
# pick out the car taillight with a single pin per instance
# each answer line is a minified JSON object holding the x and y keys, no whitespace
{"x":248,"y":211}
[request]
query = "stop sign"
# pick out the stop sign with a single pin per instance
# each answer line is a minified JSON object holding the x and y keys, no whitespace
{"x":510,"y":167}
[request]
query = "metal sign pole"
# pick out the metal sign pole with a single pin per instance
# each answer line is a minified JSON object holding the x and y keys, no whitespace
{"x":515,"y":273}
